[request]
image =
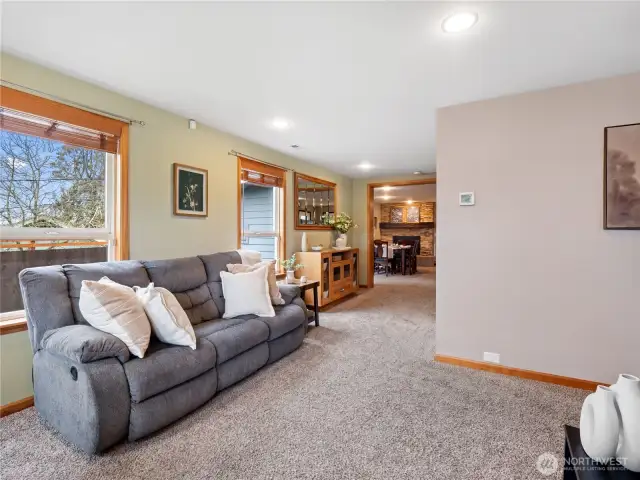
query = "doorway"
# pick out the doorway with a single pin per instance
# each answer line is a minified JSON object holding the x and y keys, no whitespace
{"x":401,"y":212}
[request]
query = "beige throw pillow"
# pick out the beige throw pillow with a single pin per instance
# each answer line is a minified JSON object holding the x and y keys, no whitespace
{"x":246,"y":293}
{"x":274,"y":291}
{"x":168,"y":319}
{"x":115,"y":309}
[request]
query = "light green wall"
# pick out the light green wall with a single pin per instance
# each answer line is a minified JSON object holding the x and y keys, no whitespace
{"x":15,"y":367}
{"x":358,"y":237}
{"x":155,"y":232}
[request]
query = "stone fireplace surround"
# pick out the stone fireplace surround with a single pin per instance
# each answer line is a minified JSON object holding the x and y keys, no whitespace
{"x":426,"y":233}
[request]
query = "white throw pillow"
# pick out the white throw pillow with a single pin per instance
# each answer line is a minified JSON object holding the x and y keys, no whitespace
{"x":115,"y":309}
{"x":274,"y":291}
{"x":168,"y":319}
{"x":246,"y":293}
{"x":250,"y":257}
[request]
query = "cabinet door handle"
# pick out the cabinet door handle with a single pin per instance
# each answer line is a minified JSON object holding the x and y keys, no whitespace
{"x":342,"y":290}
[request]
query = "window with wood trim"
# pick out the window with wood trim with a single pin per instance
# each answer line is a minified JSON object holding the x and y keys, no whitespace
{"x":62,"y":189}
{"x":261,"y":208}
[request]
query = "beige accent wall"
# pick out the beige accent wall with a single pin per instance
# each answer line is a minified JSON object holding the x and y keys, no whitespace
{"x":155,"y":232}
{"x":529,"y":272}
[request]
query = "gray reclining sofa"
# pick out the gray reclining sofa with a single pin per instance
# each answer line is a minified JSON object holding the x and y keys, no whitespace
{"x":88,"y":386}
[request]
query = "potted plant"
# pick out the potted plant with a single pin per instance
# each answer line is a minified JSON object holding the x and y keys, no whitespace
{"x":342,"y":223}
{"x":291,"y":266}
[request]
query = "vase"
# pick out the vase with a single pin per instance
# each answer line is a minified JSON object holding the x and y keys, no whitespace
{"x":305,"y":242}
{"x":600,"y":425}
{"x":341,"y":241}
{"x":627,"y":390}
{"x":291,"y":276}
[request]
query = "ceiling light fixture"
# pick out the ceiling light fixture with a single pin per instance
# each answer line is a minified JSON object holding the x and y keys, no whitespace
{"x":385,"y":197}
{"x":295,"y":146}
{"x":459,"y":22}
{"x":365,"y":166}
{"x":409,"y":202}
{"x":418,"y":172}
{"x":280,"y":123}
{"x":386,"y":188}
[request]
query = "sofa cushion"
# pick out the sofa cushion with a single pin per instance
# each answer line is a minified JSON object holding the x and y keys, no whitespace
{"x":235,"y":339}
{"x":84,"y":344}
{"x":213,"y":265}
{"x":129,"y":273}
{"x":288,"y":317}
{"x":205,"y":329}
{"x":186,"y":278}
{"x":165,"y":366}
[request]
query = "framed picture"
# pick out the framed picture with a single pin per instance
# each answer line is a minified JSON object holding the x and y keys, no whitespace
{"x":467,"y":199}
{"x":622,"y":177}
{"x":190,"y":191}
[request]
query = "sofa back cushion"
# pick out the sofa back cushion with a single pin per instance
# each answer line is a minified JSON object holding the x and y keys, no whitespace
{"x":214,"y":264}
{"x":129,"y":273}
{"x":186,"y":278}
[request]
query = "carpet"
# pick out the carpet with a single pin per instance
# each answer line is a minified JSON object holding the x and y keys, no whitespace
{"x":361,"y":399}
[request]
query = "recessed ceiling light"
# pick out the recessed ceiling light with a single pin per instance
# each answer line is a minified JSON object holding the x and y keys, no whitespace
{"x":385,"y":197}
{"x":280,"y":123}
{"x":365,"y":166}
{"x":417,"y":172}
{"x":459,"y":22}
{"x":409,"y":202}
{"x":386,"y":188}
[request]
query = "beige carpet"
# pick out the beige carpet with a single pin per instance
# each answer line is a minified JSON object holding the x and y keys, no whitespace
{"x":360,"y":399}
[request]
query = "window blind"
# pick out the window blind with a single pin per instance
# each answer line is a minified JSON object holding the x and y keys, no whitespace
{"x":260,"y":173}
{"x":28,"y":124}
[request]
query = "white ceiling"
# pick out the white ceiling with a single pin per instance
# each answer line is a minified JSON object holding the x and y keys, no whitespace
{"x":359,"y":81}
{"x":417,"y":193}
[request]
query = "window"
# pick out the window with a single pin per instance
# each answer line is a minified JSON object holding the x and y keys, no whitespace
{"x":261,"y":208}
{"x":62,"y":174}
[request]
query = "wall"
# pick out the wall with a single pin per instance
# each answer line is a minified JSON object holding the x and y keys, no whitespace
{"x":529,"y":272}
{"x":358,"y":236}
{"x":376,"y":226}
{"x":155,"y":232}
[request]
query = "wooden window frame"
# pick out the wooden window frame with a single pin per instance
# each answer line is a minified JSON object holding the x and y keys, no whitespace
{"x":13,"y":99}
{"x":245,"y":163}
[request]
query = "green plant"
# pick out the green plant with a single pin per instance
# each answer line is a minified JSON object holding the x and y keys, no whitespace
{"x":291,"y":264}
{"x":342,"y":223}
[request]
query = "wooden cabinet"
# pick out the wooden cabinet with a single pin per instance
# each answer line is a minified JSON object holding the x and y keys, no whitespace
{"x":336,"y":270}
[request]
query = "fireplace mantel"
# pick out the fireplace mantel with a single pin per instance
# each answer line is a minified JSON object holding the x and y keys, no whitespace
{"x":403,"y":225}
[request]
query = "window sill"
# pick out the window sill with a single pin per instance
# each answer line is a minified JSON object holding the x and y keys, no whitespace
{"x":13,"y":326}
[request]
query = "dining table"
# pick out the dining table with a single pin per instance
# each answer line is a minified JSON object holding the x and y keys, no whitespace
{"x":391,"y":251}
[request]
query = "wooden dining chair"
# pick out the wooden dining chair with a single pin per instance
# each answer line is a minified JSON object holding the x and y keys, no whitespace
{"x":411,"y":255}
{"x":381,"y":256}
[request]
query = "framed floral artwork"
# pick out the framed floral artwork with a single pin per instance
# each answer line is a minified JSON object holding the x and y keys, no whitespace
{"x":190,"y":186}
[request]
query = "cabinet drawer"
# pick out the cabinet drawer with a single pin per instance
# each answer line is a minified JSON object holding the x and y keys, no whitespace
{"x":342,"y":288}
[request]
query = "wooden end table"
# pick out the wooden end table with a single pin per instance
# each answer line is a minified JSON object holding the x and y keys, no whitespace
{"x":579,"y":466}
{"x":309,"y":285}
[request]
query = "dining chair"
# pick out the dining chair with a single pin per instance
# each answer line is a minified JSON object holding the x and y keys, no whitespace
{"x":411,"y":255}
{"x":381,"y":255}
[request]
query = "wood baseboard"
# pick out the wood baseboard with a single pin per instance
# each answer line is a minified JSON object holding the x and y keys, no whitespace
{"x":518,"y":372}
{"x":16,"y":406}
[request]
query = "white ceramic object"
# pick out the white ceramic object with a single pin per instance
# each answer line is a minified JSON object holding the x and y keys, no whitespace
{"x":316,"y":248}
{"x":305,"y":242}
{"x":341,"y":241}
{"x":600,"y":425}
{"x":627,"y":390}
{"x":291,"y":276}
{"x":303,"y":279}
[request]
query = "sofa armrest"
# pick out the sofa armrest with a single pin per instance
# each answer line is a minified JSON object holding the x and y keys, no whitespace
{"x":289,"y":293}
{"x":84,"y":344}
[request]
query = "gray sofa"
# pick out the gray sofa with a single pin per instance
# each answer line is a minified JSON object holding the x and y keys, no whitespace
{"x":88,"y":386}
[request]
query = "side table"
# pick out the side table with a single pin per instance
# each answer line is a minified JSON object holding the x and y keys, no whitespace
{"x":309,"y":285}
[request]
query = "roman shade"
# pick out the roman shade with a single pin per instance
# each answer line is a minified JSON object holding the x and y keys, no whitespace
{"x":261,"y":173}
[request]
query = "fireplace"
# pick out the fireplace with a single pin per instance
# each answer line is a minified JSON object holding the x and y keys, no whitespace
{"x":413,"y":238}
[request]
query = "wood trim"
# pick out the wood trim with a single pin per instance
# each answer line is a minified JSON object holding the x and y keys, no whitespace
{"x":370,"y":187}
{"x":34,"y":245}
{"x":518,"y":372}
{"x":13,"y":326}
{"x":283,"y":224}
{"x":43,"y":107}
{"x":122,"y":197}
{"x":16,"y":406}
{"x":296,"y":191}
{"x":239,"y":203}
{"x":204,"y":171}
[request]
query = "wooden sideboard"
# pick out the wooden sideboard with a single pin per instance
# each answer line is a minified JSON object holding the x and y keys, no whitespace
{"x":337,"y":271}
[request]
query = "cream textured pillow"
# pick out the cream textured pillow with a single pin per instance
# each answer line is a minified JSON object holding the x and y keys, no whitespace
{"x":274,"y":291}
{"x":115,"y":309}
{"x":168,"y":319}
{"x":249,"y":257}
{"x":246,"y":293}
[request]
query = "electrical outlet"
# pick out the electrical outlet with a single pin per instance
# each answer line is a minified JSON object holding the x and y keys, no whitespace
{"x":491,"y":357}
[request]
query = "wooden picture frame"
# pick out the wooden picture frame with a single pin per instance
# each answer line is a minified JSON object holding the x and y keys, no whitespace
{"x":190,"y":191}
{"x":323,"y":184}
{"x":621,"y":177}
